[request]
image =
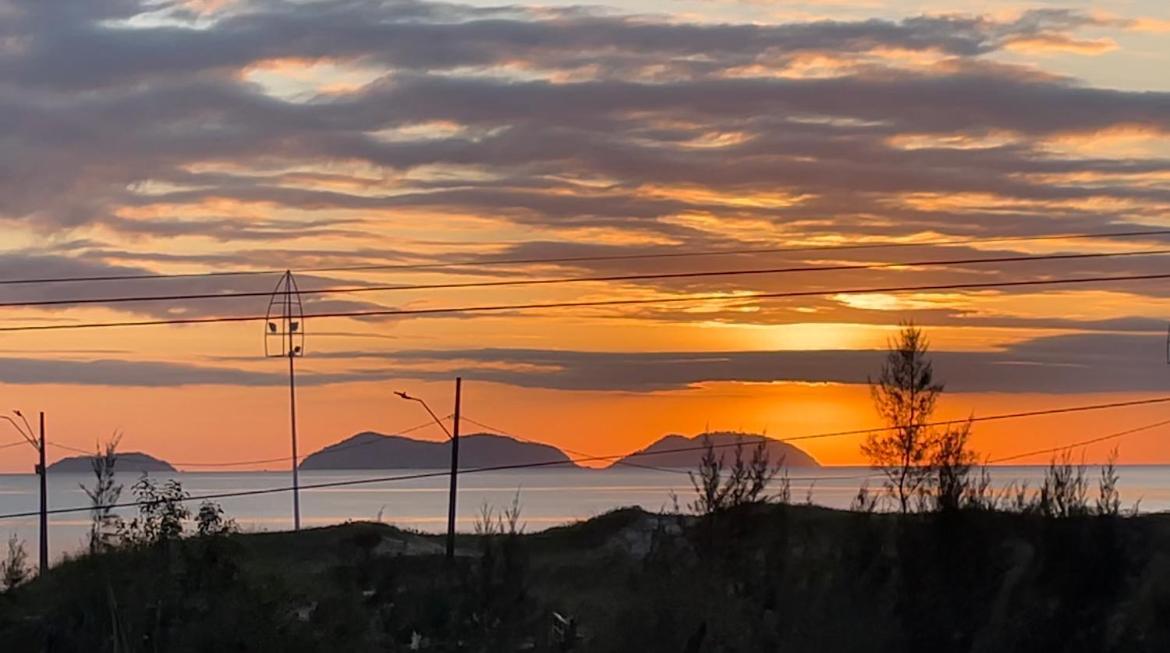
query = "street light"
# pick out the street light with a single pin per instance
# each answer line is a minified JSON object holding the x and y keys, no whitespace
{"x":453,"y":436}
{"x":428,"y":409}
{"x":26,"y":431}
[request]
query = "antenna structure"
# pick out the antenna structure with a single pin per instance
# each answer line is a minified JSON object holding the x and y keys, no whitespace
{"x":284,"y":337}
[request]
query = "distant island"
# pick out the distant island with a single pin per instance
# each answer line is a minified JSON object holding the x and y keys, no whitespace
{"x":683,"y":452}
{"x":134,"y":462}
{"x":371,"y":450}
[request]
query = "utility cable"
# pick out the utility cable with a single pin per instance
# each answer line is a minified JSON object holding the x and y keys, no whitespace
{"x":500,"y":308}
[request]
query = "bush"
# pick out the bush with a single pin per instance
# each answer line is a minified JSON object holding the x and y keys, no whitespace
{"x":718,"y":488}
{"x":162,"y":512}
{"x":14,"y":568}
{"x":1064,"y":492}
{"x":103,"y":496}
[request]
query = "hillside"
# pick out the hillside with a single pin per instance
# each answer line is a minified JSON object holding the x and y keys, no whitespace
{"x":376,"y":451}
{"x":779,"y":578}
{"x":683,"y":452}
{"x":133,"y":462}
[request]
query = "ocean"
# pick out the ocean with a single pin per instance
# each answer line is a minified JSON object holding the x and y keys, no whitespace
{"x":548,"y":497}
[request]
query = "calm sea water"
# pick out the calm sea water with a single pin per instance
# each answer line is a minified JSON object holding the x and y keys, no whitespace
{"x":548,"y":496}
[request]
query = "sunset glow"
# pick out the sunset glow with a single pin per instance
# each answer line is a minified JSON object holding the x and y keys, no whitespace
{"x":246,"y":135}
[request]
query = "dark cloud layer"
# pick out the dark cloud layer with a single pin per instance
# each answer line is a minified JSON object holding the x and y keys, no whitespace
{"x":1058,"y":364}
{"x":1054,"y":365}
{"x":96,"y":106}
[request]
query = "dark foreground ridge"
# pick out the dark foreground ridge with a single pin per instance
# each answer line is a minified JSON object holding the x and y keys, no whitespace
{"x":134,"y":462}
{"x":376,"y":451}
{"x":764,"y":578}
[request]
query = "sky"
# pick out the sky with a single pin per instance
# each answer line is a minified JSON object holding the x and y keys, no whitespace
{"x":178,"y":137}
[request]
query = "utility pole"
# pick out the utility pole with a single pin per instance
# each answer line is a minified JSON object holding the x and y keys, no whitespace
{"x":285,"y":338}
{"x":26,"y":431}
{"x":44,"y":473}
{"x":292,"y":410}
{"x":453,"y":436}
{"x":454,"y":472}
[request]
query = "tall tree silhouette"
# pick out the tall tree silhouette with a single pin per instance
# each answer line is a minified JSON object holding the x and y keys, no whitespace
{"x":904,"y":394}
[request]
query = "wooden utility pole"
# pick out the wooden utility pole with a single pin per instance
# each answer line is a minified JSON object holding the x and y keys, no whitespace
{"x":454,"y":472}
{"x":44,"y":472}
{"x":37,"y":441}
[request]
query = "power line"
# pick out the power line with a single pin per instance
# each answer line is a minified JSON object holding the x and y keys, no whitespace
{"x":586,"y":259}
{"x":242,"y":463}
{"x":816,"y":436}
{"x":499,"y":308}
{"x":588,"y":279}
{"x":575,"y":453}
{"x":326,"y":450}
{"x":516,"y":466}
{"x":1082,"y":443}
{"x":993,"y":418}
{"x":12,"y":444}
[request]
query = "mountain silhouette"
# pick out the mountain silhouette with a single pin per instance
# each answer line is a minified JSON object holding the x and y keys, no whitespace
{"x":371,"y":450}
{"x":134,"y":462}
{"x":680,"y":451}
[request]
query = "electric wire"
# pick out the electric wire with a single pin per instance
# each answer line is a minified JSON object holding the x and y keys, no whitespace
{"x":533,"y":465}
{"x":261,"y":461}
{"x":594,"y":258}
{"x":1082,"y":443}
{"x":500,"y":308}
{"x":656,"y":276}
{"x":571,"y":451}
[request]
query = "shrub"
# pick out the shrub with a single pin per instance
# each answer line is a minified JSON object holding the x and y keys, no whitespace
{"x":162,"y":512}
{"x":1108,"y":496}
{"x":103,"y":496}
{"x":1065,"y":489}
{"x":14,"y":568}
{"x":719,"y":488}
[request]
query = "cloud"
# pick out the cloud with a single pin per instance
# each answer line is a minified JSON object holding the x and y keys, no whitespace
{"x":206,"y":134}
{"x":1075,"y":363}
{"x":110,"y":372}
{"x":1079,"y":363}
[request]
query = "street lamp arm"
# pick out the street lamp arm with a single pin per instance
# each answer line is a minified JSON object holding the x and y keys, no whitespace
{"x":27,"y":435}
{"x":28,"y":427}
{"x":428,"y":409}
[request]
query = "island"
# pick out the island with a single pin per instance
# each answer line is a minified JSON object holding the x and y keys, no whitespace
{"x":681,"y":451}
{"x":134,"y":462}
{"x":371,"y":450}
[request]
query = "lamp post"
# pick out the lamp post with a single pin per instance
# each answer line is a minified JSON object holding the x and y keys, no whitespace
{"x":453,"y":436}
{"x":284,"y":337}
{"x":26,"y":431}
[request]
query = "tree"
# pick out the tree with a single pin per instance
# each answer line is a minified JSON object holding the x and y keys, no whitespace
{"x":103,"y":495}
{"x":951,"y":462}
{"x":904,"y":394}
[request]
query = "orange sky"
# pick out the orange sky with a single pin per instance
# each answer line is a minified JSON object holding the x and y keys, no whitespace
{"x":209,"y":424}
{"x":393,"y":135}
